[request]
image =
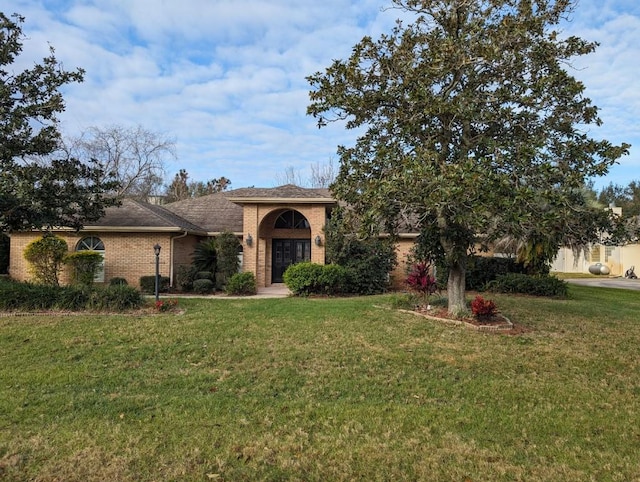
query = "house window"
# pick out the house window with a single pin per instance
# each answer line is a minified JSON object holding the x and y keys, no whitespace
{"x":595,"y":254}
{"x":93,"y":243}
{"x":608,"y":252}
{"x":291,"y":220}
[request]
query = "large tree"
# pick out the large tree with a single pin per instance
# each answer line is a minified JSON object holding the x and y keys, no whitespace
{"x":627,"y":197}
{"x":181,"y":188}
{"x":472,"y":126}
{"x":35,"y":195}
{"x":136,"y":156}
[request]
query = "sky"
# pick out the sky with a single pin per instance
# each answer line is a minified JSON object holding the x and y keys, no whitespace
{"x":226,"y":79}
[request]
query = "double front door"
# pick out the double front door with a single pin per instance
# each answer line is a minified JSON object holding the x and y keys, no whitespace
{"x":287,"y":252}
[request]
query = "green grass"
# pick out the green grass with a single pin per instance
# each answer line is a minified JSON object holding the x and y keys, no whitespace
{"x":324,"y":389}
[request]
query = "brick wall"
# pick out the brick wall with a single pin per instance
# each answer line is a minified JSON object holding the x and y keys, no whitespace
{"x":399,"y":273}
{"x":126,"y":255}
{"x":259,"y":220}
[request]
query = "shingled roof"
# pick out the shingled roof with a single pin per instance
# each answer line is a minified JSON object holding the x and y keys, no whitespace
{"x":136,"y":215}
{"x":288,"y":192}
{"x":214,"y":213}
{"x":209,"y":214}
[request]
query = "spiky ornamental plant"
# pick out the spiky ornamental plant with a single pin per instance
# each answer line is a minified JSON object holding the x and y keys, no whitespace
{"x":421,"y":280}
{"x":472,"y":126}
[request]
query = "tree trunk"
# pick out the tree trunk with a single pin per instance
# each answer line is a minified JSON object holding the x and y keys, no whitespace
{"x":456,"y":288}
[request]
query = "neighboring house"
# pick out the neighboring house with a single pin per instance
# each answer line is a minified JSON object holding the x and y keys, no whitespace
{"x":277,"y":227}
{"x":617,"y":258}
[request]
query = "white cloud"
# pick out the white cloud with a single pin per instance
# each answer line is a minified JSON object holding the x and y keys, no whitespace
{"x":226,"y":78}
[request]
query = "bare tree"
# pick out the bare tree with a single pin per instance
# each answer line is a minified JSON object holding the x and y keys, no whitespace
{"x":291,"y":175}
{"x":136,"y":156}
{"x":322,"y":175}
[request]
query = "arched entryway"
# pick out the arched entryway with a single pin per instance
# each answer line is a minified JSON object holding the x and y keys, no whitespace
{"x":288,"y":233}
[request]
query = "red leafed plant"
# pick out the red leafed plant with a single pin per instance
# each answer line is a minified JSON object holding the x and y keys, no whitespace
{"x":166,"y":305}
{"x":483,"y":309}
{"x":421,"y":280}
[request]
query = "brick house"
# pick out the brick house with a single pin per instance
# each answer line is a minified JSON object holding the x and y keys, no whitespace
{"x":277,"y":227}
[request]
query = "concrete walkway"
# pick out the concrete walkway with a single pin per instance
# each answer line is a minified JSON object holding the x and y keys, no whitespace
{"x":606,"y":282}
{"x":277,"y":290}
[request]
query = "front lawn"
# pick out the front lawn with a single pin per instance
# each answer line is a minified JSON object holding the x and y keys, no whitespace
{"x":324,"y":389}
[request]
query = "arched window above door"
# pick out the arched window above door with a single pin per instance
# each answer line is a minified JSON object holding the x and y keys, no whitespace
{"x":291,"y":220}
{"x":90,"y":243}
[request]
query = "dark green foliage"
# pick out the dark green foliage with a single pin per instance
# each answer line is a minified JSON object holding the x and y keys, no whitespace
{"x":626,"y":197}
{"x":334,"y":279}
{"x":117,"y":281}
{"x":32,"y":297}
{"x":27,"y":296}
{"x":46,"y":256}
{"x":203,"y":286}
{"x":242,"y":284}
{"x":303,"y":279}
{"x":470,"y":127}
{"x":84,"y":266}
{"x":204,"y":275}
{"x":228,"y":264}
{"x":148,"y":284}
{"x":46,"y":192}
{"x":115,"y":298}
{"x":74,"y":297}
{"x":5,"y":244}
{"x":205,"y":256}
{"x":368,"y":261}
{"x":529,"y":285}
{"x":185,"y":276}
{"x":481,"y":270}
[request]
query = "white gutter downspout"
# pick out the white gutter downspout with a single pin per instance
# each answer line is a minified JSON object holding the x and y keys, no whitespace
{"x":173,"y":238}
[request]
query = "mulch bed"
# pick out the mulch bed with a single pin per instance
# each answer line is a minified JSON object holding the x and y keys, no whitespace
{"x":498,"y":324}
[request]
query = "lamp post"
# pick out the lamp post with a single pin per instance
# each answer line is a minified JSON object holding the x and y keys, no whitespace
{"x":156,"y":250}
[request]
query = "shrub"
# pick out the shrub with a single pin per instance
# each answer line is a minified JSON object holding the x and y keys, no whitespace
{"x":84,"y":266}
{"x":480,"y":271}
{"x":368,"y":261}
{"x":115,"y":298}
{"x":27,"y":296}
{"x":228,"y":264}
{"x":421,"y":280}
{"x":205,"y":256}
{"x":203,"y":286}
{"x":117,"y":281}
{"x":204,"y":275}
{"x":242,"y":284}
{"x":483,"y":309}
{"x":166,"y":305}
{"x":46,"y":256}
{"x":185,"y":276}
{"x":30,"y":297}
{"x":304,"y":278}
{"x":148,"y":284}
{"x":334,"y":279}
{"x":74,"y":298}
{"x":5,"y":244}
{"x":529,"y":285}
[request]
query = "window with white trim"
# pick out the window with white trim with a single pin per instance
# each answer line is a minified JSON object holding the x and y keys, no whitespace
{"x":93,"y":243}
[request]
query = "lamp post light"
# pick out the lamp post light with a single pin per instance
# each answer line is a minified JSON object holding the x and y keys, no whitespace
{"x":156,"y":250}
